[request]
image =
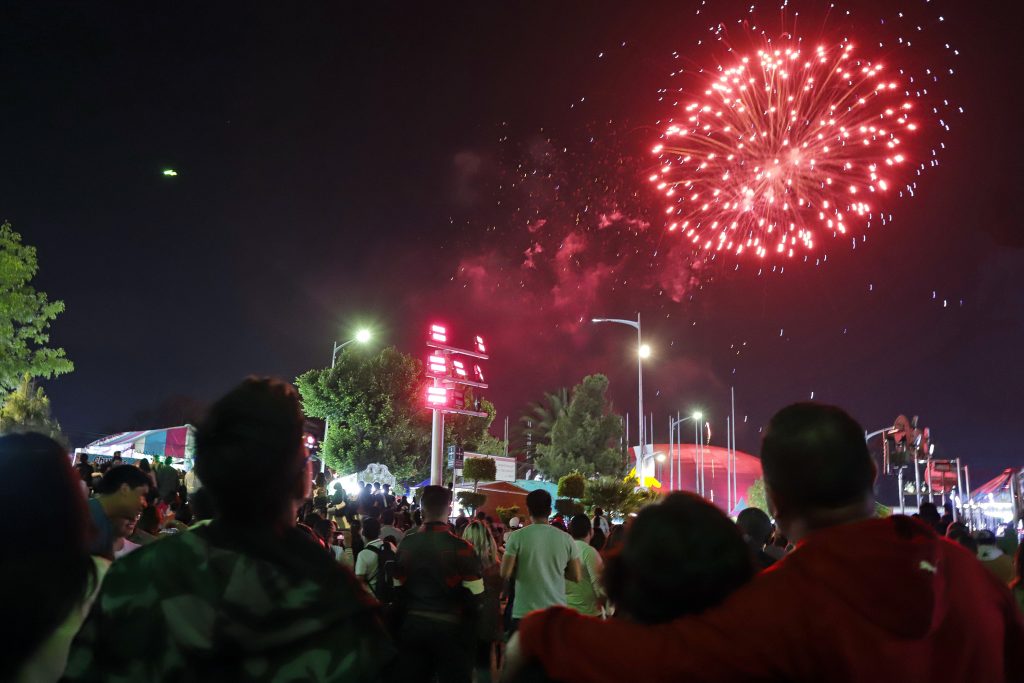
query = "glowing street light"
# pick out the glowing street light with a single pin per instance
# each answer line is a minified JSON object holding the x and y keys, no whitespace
{"x":643,"y":351}
{"x":170,"y":172}
{"x":363,"y":335}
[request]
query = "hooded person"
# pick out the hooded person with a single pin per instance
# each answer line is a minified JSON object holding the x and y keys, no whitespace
{"x":247,"y":597}
{"x":857,"y":599}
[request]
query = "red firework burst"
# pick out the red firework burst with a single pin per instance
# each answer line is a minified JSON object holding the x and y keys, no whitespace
{"x":785,"y":145}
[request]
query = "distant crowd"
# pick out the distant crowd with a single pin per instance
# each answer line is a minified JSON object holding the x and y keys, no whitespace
{"x":250,"y":568}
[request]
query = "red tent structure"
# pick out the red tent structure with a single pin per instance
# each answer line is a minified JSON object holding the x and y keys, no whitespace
{"x":685,"y":458}
{"x":500,"y":494}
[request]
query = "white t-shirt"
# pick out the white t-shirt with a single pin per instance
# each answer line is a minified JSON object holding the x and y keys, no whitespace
{"x":542,"y":553}
{"x":366,"y":562}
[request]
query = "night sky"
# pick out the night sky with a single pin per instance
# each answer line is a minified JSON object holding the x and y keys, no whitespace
{"x":484,"y":165}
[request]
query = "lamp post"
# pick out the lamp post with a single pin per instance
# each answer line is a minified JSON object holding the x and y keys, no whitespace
{"x":675,"y":435}
{"x":642,"y":351}
{"x":657,"y":457}
{"x":362,"y":336}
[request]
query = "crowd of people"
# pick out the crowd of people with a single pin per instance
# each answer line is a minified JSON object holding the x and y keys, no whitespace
{"x":249,"y":569}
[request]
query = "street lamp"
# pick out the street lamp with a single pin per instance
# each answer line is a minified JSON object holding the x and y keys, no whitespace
{"x":657,"y":457}
{"x":363,"y":335}
{"x":698,"y":475}
{"x":643,"y":351}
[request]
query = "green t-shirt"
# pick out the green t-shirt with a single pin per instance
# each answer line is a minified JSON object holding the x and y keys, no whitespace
{"x":542,"y":553}
{"x":582,"y":595}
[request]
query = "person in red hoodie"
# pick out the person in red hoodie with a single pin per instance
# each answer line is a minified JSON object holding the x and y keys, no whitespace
{"x":858,"y":599}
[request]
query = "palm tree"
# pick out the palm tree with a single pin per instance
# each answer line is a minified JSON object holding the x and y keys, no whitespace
{"x":540,"y":417}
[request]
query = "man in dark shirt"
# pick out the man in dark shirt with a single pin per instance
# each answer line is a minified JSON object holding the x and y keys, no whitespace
{"x":85,"y":470}
{"x":167,"y":480}
{"x":441,"y":584}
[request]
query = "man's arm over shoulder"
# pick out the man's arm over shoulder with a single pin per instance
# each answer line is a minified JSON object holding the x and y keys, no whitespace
{"x":704,"y":647}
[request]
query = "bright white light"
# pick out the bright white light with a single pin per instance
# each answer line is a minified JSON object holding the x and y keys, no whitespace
{"x":363,"y":336}
{"x":660,"y":457}
{"x":698,"y":415}
{"x":645,"y":351}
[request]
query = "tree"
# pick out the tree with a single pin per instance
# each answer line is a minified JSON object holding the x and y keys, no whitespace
{"x":471,"y":499}
{"x":567,"y":507}
{"x":540,"y":417}
{"x":619,"y":497}
{"x":572,"y":485}
{"x":756,"y":497}
{"x":609,"y":493}
{"x":27,"y":409}
{"x":25,"y":317}
{"x":505,"y":514}
{"x":375,"y":405}
{"x":585,"y":437}
{"x":479,"y":469}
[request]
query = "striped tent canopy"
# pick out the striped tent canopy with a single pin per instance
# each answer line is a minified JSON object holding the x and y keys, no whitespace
{"x":997,"y":488}
{"x":177,"y":442}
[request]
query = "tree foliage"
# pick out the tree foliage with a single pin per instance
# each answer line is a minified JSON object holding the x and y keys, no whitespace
{"x":471,"y":499}
{"x":756,"y":497}
{"x":572,"y":485}
{"x":585,"y":437}
{"x":507,"y":513}
{"x":479,"y":469}
{"x":609,"y":493}
{"x":619,"y":497}
{"x":541,"y":416}
{"x":567,"y":507}
{"x":27,"y":409}
{"x":375,"y":406}
{"x":25,"y":317}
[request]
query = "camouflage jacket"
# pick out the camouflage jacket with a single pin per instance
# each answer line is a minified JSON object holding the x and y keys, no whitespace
{"x":219,"y":604}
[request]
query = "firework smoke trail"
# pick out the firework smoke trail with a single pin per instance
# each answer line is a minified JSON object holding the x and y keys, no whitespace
{"x":783,"y":146}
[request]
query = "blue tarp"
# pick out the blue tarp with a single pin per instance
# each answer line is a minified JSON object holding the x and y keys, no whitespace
{"x":532,"y":485}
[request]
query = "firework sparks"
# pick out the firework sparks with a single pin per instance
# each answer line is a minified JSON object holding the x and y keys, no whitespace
{"x":784,"y":146}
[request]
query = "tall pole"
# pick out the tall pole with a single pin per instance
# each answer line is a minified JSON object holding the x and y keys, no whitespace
{"x":640,"y":394}
{"x":917,"y":479}
{"x":436,"y":443}
{"x":671,"y":454}
{"x":698,"y":489}
{"x":733,"y":484}
{"x":327,"y":420}
{"x":728,"y":467}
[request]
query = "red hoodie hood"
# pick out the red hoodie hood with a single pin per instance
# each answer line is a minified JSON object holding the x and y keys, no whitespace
{"x":899,"y":565}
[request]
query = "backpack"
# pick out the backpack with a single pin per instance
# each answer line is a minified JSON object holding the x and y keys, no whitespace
{"x":384,"y":583}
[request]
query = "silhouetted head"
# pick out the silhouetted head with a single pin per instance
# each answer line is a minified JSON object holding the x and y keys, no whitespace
{"x":45,"y":567}
{"x":538,"y":502}
{"x":680,"y":556}
{"x":817,"y":468}
{"x":756,"y":526}
{"x":250,"y":456}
